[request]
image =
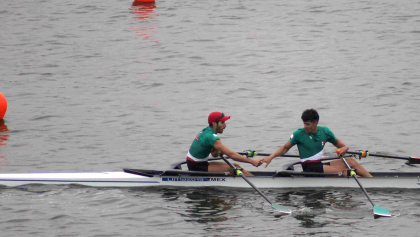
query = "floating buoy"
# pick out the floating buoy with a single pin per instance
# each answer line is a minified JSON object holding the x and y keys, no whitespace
{"x":3,"y":105}
{"x":136,"y":2}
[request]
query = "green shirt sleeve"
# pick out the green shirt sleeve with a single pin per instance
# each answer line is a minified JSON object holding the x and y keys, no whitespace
{"x":294,"y":138}
{"x":330,"y":135}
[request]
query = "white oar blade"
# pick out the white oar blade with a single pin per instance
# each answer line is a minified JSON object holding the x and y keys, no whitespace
{"x":281,"y":209}
{"x":381,"y":212}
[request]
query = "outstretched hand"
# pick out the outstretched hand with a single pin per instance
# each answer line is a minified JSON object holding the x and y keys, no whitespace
{"x":266,"y":160}
{"x":256,"y":162}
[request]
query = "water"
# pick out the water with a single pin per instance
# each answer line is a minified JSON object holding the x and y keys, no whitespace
{"x":103,"y":85}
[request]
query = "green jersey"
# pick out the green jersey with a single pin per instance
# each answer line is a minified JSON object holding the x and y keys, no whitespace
{"x":311,"y":146}
{"x":202,"y":145}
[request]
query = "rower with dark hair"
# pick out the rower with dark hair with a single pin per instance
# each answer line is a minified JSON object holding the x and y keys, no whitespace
{"x":207,"y":142}
{"x":310,"y":141}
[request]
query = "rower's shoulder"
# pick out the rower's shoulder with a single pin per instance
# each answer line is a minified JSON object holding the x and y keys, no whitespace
{"x":324,"y":128}
{"x":299,"y":131}
{"x":209,"y":132}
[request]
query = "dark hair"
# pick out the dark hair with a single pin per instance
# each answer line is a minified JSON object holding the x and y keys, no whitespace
{"x":310,"y":115}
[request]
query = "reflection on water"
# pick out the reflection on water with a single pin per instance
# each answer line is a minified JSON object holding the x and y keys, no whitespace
{"x":144,"y":11}
{"x":4,"y":136}
{"x":206,"y":208}
{"x":203,"y":205}
{"x":319,"y":199}
{"x":310,"y":204}
{"x":310,"y":207}
{"x":3,"y":126}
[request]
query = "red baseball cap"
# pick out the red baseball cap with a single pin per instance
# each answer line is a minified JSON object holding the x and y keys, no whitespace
{"x":217,"y":116}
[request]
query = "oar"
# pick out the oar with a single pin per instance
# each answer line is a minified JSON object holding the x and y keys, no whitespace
{"x":275,"y":206}
{"x":251,"y":153}
{"x":410,"y":159}
{"x":377,"y":210}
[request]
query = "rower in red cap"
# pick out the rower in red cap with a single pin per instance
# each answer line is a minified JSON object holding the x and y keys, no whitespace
{"x":207,"y":142}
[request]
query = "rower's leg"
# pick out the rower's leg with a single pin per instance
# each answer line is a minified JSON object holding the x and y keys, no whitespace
{"x":245,"y":172}
{"x":335,"y":168}
{"x":360,"y":170}
{"x":339,"y":166}
{"x":215,"y":166}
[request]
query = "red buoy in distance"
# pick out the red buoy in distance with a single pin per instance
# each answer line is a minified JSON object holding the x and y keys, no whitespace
{"x":3,"y":105}
{"x":138,"y":2}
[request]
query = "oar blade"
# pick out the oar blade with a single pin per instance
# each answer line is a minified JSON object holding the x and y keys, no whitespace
{"x":281,"y":209}
{"x":381,"y":212}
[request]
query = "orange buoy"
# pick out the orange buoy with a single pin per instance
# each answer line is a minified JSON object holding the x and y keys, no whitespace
{"x":142,"y":1}
{"x":3,"y":105}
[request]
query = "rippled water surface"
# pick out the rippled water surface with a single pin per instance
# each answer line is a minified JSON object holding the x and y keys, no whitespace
{"x":104,"y":85}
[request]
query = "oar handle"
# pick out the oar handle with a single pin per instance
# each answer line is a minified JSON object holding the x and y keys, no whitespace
{"x":251,"y":153}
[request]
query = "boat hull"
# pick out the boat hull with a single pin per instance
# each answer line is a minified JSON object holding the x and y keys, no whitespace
{"x":261,"y":180}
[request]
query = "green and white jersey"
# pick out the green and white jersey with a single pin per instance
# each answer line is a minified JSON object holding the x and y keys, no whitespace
{"x":202,"y":145}
{"x":311,"y":146}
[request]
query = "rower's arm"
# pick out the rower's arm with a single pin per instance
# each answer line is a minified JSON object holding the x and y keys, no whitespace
{"x":235,"y":156}
{"x":342,"y":146}
{"x":283,"y":149}
{"x":279,"y":152}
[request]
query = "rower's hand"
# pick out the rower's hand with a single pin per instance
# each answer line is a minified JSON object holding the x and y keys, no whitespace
{"x":255,"y":162}
{"x":266,"y":160}
{"x":216,"y":153}
{"x":340,"y":152}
